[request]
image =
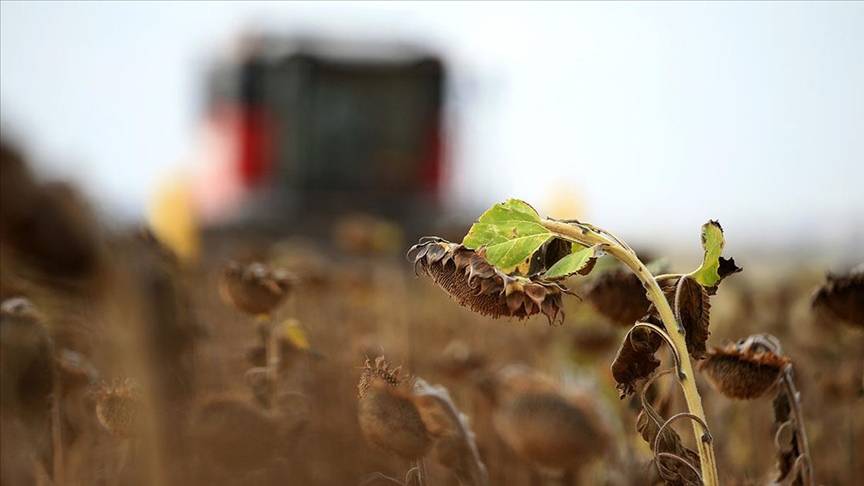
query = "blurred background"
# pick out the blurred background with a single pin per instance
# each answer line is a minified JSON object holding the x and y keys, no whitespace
{"x":205,"y":210}
{"x":647,"y":119}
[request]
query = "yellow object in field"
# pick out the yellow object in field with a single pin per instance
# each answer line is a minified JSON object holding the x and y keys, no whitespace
{"x":173,"y":221}
{"x":294,"y":333}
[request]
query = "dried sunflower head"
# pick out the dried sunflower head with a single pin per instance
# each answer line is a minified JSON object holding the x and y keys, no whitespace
{"x":747,"y":369}
{"x":618,"y":295}
{"x":118,"y":407}
{"x":387,"y":414}
{"x":553,"y":428}
{"x":254,"y":288}
{"x":474,"y":283}
{"x":841,"y":297}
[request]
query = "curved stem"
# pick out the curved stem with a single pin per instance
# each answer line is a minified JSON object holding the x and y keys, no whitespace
{"x":589,"y":236}
{"x":677,"y":416}
{"x":798,"y":417}
{"x":663,"y":335}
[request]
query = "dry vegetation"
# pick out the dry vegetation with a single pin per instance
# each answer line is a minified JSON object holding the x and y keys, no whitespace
{"x":126,"y":366}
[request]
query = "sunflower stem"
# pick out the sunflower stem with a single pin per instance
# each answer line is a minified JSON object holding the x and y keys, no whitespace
{"x":271,"y":356}
{"x":795,"y":406}
{"x":589,"y":236}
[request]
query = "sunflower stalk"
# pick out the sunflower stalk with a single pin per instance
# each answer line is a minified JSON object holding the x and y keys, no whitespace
{"x":589,"y":236}
{"x":268,"y":329}
{"x":792,"y":398}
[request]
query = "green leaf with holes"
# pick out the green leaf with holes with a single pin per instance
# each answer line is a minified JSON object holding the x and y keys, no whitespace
{"x":508,"y":233}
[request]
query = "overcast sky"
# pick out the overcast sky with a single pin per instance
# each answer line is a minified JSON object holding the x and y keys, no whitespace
{"x":655,"y":116}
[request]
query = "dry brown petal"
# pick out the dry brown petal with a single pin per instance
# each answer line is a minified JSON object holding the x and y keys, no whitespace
{"x":841,"y":297}
{"x":742,"y":372}
{"x":379,"y":368}
{"x":635,"y":360}
{"x":473,"y":283}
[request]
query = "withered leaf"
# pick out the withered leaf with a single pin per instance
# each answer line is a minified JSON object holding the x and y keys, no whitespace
{"x":674,"y":473}
{"x":787,"y":452}
{"x":725,"y":268}
{"x":551,"y":251}
{"x":635,"y":360}
{"x":692,"y":307}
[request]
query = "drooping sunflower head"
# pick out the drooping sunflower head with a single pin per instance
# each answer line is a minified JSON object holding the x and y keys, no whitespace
{"x":745,"y":370}
{"x":474,"y":283}
{"x":255,"y":288}
{"x":386,"y":411}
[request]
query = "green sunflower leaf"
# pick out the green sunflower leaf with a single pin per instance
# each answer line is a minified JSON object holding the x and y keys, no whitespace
{"x":581,"y":261}
{"x":508,"y":233}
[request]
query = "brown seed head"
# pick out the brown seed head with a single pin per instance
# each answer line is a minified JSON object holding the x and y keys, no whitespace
{"x":592,"y":339}
{"x":118,"y":407}
{"x":841,"y":297}
{"x":254,"y":288}
{"x":618,"y":295}
{"x":473,"y":283}
{"x":544,"y":426}
{"x":459,"y":360}
{"x":743,"y":370}
{"x":388,"y":417}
